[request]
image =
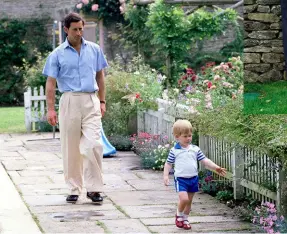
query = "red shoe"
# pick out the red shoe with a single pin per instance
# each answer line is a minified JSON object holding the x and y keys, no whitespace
{"x":179,"y":221}
{"x":186,"y":225}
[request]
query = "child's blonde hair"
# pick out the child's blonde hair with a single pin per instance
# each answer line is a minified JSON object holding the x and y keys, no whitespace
{"x":181,"y":127}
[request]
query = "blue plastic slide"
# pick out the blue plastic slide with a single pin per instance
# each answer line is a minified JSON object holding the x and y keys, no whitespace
{"x":108,"y":148}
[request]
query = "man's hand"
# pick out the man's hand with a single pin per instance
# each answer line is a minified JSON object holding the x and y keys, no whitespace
{"x":166,"y":180}
{"x":52,"y":117}
{"x":221,"y":171}
{"x":103,"y":108}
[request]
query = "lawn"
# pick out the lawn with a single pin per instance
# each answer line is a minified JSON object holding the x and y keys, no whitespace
{"x":12,"y":119}
{"x":269,"y":98}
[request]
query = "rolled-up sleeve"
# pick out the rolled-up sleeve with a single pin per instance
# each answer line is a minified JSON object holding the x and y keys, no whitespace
{"x":51,"y":67}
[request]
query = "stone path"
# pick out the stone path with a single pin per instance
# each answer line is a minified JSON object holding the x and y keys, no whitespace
{"x":136,"y":201}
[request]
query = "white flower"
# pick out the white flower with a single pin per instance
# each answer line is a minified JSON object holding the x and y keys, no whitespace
{"x":176,"y":90}
{"x":159,"y":146}
{"x":136,"y":72}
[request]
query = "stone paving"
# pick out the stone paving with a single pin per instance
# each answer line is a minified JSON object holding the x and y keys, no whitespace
{"x":136,"y":201}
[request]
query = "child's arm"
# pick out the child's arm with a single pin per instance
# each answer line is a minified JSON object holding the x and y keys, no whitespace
{"x":212,"y":166}
{"x":167,"y":167}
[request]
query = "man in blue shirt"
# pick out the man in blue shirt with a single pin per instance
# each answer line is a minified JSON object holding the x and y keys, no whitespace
{"x":77,"y":68}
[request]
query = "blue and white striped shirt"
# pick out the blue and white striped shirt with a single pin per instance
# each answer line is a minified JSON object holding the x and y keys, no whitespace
{"x":75,"y":72}
{"x":185,"y":160}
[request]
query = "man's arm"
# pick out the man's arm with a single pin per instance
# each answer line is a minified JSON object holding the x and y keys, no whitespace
{"x":50,"y":100}
{"x":100,"y":78}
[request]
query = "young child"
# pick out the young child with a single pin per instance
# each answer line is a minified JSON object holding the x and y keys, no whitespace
{"x":184,"y":156}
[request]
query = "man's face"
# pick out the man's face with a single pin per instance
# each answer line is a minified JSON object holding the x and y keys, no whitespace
{"x":75,"y":32}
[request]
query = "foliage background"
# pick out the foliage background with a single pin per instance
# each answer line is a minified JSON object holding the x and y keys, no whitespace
{"x":18,"y":39}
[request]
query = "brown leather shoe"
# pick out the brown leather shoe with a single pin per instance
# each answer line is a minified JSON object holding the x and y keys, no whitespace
{"x":95,"y":196}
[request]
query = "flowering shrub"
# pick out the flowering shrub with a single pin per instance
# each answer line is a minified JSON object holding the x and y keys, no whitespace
{"x":158,"y":156}
{"x":108,"y":9}
{"x":212,"y":87}
{"x":137,"y":83}
{"x":153,"y":149}
{"x":266,"y":216}
{"x":146,"y":142}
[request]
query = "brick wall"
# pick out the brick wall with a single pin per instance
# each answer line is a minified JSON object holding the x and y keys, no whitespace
{"x":263,"y":43}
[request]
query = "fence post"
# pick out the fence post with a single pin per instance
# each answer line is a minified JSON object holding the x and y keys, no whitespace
{"x":27,"y":104}
{"x":140,"y":122}
{"x":42,"y":104}
{"x":281,"y":201}
{"x":238,"y":172}
{"x":160,"y":121}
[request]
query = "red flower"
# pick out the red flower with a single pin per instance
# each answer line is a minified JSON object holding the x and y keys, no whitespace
{"x":138,"y":95}
{"x":209,"y":84}
{"x":193,"y":78}
{"x":229,"y":64}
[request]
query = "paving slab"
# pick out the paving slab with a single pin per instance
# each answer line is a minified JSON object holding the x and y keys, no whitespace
{"x":142,"y":184}
{"x":5,"y":153}
{"x":125,"y":226}
{"x":73,"y":208}
{"x":50,"y":226}
{"x":14,"y":215}
{"x":193,"y":219}
{"x":142,"y":197}
{"x":205,"y":227}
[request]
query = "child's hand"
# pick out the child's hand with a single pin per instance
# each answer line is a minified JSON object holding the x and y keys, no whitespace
{"x":166,"y":180}
{"x":221,"y":171}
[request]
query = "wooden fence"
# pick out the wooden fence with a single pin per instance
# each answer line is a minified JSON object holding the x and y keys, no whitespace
{"x":35,"y":105}
{"x":249,"y":172}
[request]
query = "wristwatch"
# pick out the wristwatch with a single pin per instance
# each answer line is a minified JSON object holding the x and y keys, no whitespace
{"x":104,"y":102}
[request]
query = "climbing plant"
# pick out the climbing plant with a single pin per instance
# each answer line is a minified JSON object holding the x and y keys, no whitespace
{"x":109,"y":10}
{"x":175,"y":32}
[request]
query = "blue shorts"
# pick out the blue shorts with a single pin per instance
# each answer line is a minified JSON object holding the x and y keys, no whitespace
{"x":189,"y":185}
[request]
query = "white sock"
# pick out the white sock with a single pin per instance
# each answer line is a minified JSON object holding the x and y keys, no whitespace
{"x":185,"y":217}
{"x":179,"y":213}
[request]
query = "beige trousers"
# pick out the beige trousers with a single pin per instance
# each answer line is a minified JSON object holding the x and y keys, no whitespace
{"x":81,"y":143}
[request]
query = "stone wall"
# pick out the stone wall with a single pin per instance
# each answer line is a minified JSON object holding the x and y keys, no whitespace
{"x":24,"y":9}
{"x":263,"y":43}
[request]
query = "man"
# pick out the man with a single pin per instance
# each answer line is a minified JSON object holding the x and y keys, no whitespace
{"x":77,"y":67}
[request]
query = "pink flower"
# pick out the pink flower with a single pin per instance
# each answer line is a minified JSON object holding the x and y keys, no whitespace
{"x":79,"y":5}
{"x":95,"y":7}
{"x":85,"y":2}
{"x":135,"y":6}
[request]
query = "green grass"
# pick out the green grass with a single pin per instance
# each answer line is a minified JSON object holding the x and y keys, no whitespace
{"x":269,"y":98}
{"x":12,"y":120}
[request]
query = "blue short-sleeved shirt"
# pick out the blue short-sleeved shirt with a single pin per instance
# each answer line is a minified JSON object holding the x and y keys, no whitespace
{"x":75,"y":72}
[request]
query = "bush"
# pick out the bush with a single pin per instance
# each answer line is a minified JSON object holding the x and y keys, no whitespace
{"x":129,"y":91}
{"x":152,"y":149}
{"x":120,"y":142}
{"x":266,"y":216}
{"x":33,"y":74}
{"x":224,"y":195}
{"x":18,"y":38}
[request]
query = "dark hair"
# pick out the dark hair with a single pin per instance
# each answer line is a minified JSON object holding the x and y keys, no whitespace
{"x":71,"y":18}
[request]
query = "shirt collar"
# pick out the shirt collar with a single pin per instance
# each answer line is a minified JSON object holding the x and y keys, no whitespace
{"x":177,"y":146}
{"x":66,"y":42}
